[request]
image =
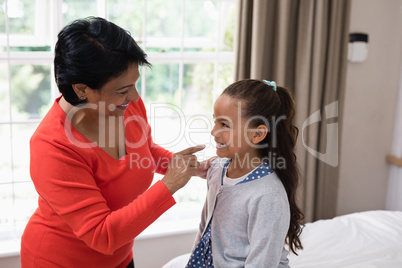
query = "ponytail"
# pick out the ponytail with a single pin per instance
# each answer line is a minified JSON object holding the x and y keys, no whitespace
{"x":268,"y":101}
{"x":289,"y":176}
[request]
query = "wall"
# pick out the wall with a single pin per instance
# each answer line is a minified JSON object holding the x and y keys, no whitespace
{"x":10,"y":262}
{"x":155,"y":252}
{"x":369,"y":108}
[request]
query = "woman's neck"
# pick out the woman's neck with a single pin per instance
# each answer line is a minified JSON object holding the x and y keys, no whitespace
{"x":79,"y":117}
{"x":107,"y":132}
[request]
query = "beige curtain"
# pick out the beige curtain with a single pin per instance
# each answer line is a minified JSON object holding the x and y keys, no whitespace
{"x":302,"y":45}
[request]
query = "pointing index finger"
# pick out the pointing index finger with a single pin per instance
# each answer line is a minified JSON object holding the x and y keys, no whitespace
{"x":191,"y":150}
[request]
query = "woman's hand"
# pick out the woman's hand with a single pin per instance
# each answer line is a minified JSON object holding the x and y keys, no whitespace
{"x":204,"y":166}
{"x":181,"y":168}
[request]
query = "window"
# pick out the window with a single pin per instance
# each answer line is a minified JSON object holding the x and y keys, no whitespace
{"x":188,"y":42}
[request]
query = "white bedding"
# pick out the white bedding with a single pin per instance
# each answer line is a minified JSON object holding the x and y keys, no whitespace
{"x":359,"y":240}
{"x":366,"y":239}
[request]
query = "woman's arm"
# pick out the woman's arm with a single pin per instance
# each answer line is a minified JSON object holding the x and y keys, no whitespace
{"x":64,"y":179}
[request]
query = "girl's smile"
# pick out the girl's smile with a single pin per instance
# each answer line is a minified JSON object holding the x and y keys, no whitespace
{"x":220,"y":145}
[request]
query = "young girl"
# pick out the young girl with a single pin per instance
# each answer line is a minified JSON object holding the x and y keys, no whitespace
{"x":250,"y":210}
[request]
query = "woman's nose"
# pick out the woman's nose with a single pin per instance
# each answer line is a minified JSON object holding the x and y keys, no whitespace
{"x":133,"y":94}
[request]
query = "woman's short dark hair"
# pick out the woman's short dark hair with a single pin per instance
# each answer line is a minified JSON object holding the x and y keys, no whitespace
{"x":92,"y":51}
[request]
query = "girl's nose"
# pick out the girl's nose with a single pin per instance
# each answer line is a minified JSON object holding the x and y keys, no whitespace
{"x":213,"y":131}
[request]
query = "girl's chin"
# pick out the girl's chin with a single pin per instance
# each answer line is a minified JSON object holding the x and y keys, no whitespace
{"x":222,"y":153}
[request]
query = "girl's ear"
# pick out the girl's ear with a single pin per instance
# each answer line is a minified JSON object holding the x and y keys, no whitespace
{"x":259,"y":134}
{"x":80,"y":90}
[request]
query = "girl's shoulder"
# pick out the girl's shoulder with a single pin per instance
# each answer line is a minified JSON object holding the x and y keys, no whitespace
{"x":215,"y":170}
{"x":219,"y":162}
{"x":269,"y":185}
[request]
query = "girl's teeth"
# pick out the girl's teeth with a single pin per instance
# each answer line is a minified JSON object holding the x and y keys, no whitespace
{"x":220,"y":145}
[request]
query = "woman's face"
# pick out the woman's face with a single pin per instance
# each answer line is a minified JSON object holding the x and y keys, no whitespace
{"x":113,"y":98}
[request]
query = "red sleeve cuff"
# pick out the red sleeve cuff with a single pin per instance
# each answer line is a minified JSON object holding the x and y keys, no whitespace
{"x":160,"y":198}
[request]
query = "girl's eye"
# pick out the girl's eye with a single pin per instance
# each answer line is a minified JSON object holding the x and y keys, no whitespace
{"x":122,"y":93}
{"x":221,"y":123}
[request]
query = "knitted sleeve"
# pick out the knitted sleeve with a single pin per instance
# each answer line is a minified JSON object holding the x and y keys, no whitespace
{"x":267,"y":229}
{"x":65,"y":180}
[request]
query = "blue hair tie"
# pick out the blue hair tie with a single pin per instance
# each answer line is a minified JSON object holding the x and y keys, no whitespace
{"x":271,"y":84}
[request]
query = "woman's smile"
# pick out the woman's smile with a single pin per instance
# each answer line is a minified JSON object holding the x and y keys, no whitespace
{"x":123,"y":106}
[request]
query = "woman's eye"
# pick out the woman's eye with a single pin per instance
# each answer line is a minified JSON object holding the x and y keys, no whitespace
{"x":122,"y":93}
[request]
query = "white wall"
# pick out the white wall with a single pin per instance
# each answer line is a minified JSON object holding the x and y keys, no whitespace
{"x":369,"y":108}
{"x":154,"y":252}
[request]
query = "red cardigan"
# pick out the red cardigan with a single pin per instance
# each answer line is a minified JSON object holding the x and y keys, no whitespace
{"x":92,"y":206}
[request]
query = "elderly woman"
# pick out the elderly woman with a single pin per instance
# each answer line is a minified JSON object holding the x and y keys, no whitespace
{"x":93,"y":158}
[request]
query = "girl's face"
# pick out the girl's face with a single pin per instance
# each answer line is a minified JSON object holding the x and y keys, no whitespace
{"x":113,"y":98}
{"x":231,"y":133}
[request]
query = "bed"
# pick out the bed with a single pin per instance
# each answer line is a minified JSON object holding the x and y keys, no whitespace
{"x":359,"y":240}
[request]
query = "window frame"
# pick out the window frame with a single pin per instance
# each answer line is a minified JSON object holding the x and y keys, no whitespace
{"x":55,"y":19}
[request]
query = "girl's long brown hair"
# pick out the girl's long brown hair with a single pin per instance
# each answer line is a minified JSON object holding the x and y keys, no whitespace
{"x":278,"y":109}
